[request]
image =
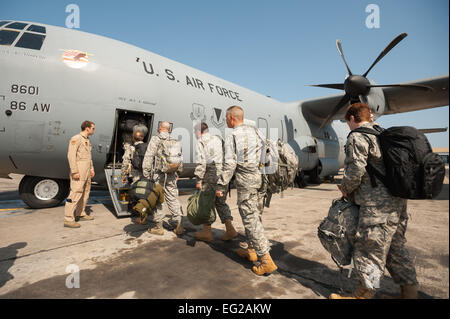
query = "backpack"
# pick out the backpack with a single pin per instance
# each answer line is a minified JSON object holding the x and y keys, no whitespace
{"x":146,"y":205}
{"x":338,"y":230}
{"x":279,"y":166}
{"x":138,"y":156}
{"x":201,"y":207}
{"x":140,"y":189}
{"x":286,"y":171}
{"x":413,"y":171}
{"x":171,"y":156}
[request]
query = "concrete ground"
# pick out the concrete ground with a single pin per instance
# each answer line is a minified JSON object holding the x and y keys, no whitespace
{"x":117,"y":258}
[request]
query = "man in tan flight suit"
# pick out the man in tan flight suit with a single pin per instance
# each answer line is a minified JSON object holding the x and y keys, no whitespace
{"x":81,"y":172}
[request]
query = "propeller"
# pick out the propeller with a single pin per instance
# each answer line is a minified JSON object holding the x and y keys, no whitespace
{"x":357,"y":87}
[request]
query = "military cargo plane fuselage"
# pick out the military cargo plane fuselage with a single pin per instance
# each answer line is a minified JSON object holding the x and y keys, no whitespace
{"x":52,"y":79}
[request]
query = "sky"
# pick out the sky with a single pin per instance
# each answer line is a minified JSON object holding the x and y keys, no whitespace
{"x":275,"y":48}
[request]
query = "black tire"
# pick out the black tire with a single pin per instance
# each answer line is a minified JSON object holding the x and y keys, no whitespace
{"x":27,"y":191}
{"x":314,"y":175}
{"x":299,"y":180}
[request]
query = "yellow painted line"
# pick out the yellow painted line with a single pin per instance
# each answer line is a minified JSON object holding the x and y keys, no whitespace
{"x":5,"y":209}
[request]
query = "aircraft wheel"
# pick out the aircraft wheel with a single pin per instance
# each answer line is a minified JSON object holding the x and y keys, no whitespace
{"x":314,"y":175}
{"x":299,"y":180}
{"x":42,"y":192}
{"x":330,"y":178}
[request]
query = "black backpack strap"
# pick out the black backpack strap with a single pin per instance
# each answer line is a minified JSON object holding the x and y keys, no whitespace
{"x":372,"y":171}
{"x":375,"y":131}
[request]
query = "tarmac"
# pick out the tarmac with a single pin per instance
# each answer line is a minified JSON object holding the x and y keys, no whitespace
{"x":112,"y":257}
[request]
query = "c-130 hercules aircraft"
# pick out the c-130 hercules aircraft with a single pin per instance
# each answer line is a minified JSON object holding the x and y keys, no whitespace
{"x":53,"y":78}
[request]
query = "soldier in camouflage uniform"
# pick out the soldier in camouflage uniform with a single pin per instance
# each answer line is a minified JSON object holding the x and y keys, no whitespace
{"x":127,"y":170}
{"x":210,"y":155}
{"x":380,"y":237}
{"x":242,"y":155}
{"x":151,"y":167}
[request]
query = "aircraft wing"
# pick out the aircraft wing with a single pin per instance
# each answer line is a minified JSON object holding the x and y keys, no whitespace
{"x":433,"y":130}
{"x":400,"y":99}
{"x":316,"y":110}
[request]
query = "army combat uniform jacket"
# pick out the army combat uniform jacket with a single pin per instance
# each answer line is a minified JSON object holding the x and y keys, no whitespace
{"x":209,"y":158}
{"x":151,"y":170}
{"x":380,"y":237}
{"x":127,"y":157}
{"x":242,"y":156}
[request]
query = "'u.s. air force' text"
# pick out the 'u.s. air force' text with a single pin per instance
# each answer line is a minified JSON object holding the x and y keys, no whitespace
{"x":193,"y":82}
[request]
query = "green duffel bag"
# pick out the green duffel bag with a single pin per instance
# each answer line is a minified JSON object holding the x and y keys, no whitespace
{"x":201,"y":208}
{"x":145,"y":206}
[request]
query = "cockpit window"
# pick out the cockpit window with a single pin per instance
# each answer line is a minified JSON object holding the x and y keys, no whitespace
{"x":36,"y":28}
{"x":31,"y":41}
{"x":17,"y":25}
{"x":7,"y":37}
{"x":28,"y":36}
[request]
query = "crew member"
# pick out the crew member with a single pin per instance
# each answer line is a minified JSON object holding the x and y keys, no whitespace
{"x":209,"y":167}
{"x":81,"y":172}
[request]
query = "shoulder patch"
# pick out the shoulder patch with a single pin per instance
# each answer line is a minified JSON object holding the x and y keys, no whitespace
{"x":73,"y":142}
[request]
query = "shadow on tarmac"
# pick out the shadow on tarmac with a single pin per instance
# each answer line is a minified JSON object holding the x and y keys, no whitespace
{"x":7,"y":257}
{"x":444,"y":195}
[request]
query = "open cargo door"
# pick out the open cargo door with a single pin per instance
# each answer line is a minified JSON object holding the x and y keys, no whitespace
{"x":118,"y":192}
{"x":125,"y":121}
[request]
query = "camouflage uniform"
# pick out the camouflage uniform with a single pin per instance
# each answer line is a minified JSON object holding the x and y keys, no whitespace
{"x":209,"y":167}
{"x":242,"y":154}
{"x":151,"y":169}
{"x":380,"y":238}
{"x":134,"y":174}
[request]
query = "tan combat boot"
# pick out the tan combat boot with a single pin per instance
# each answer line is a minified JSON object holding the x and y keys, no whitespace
{"x":249,"y":254}
{"x":157,"y":229}
{"x":72,"y":224}
{"x":179,"y":229}
{"x":407,"y":292}
{"x":266,"y":267}
{"x":85,"y":218}
{"x":141,"y":220}
{"x":205,"y":234}
{"x":360,"y":293}
{"x":230,"y":232}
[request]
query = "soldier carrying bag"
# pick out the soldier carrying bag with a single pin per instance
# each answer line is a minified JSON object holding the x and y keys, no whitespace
{"x":285,"y":172}
{"x":337,"y":231}
{"x":145,"y":196}
{"x":171,"y":156}
{"x":279,"y":165}
{"x":138,"y":156}
{"x":413,"y":171}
